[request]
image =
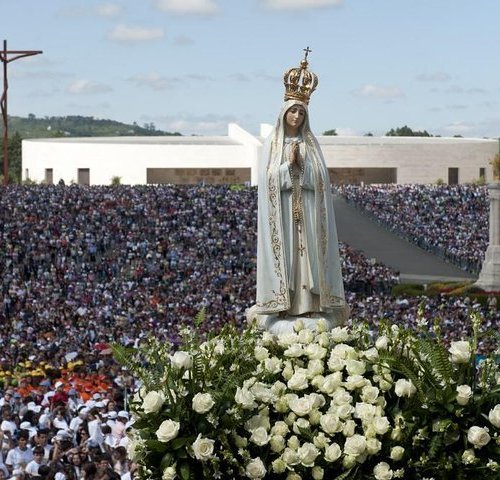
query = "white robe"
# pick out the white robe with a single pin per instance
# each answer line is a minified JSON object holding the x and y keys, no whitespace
{"x":288,"y":282}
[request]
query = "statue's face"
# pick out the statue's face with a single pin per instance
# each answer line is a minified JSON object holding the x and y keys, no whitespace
{"x":295,"y":116}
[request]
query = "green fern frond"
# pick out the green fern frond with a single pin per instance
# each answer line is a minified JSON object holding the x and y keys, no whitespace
{"x":200,"y":318}
{"x":437,"y":356}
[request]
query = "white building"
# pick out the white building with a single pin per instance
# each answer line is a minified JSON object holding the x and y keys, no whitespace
{"x":234,"y":159}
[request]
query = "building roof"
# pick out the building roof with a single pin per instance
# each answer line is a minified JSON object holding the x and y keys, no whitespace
{"x":163,"y":140}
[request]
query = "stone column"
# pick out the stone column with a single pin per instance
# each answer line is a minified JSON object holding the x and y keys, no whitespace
{"x":489,"y":278}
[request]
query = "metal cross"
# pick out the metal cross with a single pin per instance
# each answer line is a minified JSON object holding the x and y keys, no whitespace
{"x":308,"y":51}
{"x":3,"y":100}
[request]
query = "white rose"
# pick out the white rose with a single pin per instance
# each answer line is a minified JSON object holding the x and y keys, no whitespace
{"x":315,"y":367}
{"x":301,"y":405}
{"x":494,"y":416}
{"x":355,"y":381}
{"x":278,"y":466}
{"x":397,"y":453}
{"x":287,"y":339}
{"x":340,"y":334}
{"x":333,"y":452}
{"x":307,"y":454}
{"x":245,"y":398}
{"x":404,"y":388}
{"x":349,"y":461}
{"x":240,"y":442}
{"x":355,"y":367}
{"x":262,"y":393}
{"x":344,"y":411}
{"x":203,"y":448}
{"x":300,"y":424}
{"x":260,"y":353}
{"x":315,"y":351}
{"x":317,"y":473}
{"x":277,"y":443}
{"x":349,"y":428}
{"x":258,"y":421}
{"x":373,"y":446}
{"x":203,"y":402}
{"x":382,"y":343}
{"x":168,"y":430}
{"x":280,"y":428}
{"x":369,"y":394}
{"x":290,"y":456}
{"x":298,"y":325}
{"x":344,"y":351}
{"x":321,"y":440}
{"x":273,"y":365}
{"x":335,"y":363}
{"x":460,"y":351}
{"x":260,"y":437}
{"x":293,"y":442}
{"x":133,"y":450}
{"x":355,"y":445}
{"x":464,"y":392}
{"x":294,"y":351}
{"x":153,"y":401}
{"x":478,"y":436}
{"x":382,"y":471}
{"x":287,"y":371}
{"x":468,"y":457}
{"x":169,"y":473}
{"x":365,"y":411}
{"x":330,"y":423}
{"x":381,"y":425}
{"x":298,"y":381}
{"x":371,"y":354}
{"x":322,"y":326}
{"x":293,"y":476}
{"x":341,"y":397}
{"x":181,"y":359}
{"x":331,"y":382}
{"x":305,"y":336}
{"x":255,"y":469}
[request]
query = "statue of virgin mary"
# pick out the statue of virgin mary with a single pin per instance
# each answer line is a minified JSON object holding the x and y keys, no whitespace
{"x":298,"y":265}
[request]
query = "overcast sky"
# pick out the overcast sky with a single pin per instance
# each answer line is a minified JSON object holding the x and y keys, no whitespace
{"x":194,"y":65}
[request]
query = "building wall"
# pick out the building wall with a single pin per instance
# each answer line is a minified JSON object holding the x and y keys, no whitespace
{"x":128,"y":161}
{"x":413,"y":159}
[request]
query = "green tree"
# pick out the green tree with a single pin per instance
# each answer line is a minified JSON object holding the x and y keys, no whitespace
{"x":332,"y":132}
{"x":406,"y":131}
{"x":15,"y":157}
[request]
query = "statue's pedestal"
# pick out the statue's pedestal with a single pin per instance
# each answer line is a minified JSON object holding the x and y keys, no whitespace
{"x":489,"y":278}
{"x":279,"y":324}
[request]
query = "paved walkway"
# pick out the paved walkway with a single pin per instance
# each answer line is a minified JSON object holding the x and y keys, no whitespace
{"x":414,"y":264}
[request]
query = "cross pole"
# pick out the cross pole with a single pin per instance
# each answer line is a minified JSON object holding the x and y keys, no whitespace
{"x":5,"y":59}
{"x":308,"y":51}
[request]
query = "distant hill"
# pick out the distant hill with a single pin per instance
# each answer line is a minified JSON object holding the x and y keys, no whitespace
{"x":78,"y":126}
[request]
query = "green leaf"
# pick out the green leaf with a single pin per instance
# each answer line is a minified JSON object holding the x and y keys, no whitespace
{"x":185,"y":471}
{"x":166,"y":461}
{"x":156,"y":445}
{"x":179,"y":443}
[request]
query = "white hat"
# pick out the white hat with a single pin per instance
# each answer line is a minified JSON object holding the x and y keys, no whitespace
{"x":123,"y":414}
{"x":33,"y":407}
{"x":59,"y":384}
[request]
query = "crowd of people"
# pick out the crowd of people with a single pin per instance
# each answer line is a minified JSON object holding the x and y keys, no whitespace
{"x":82,"y":267}
{"x":448,"y":220}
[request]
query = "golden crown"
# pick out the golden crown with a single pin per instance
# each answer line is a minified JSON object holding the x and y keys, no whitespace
{"x":300,"y":83}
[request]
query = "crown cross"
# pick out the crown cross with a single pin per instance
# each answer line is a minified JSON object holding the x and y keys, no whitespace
{"x":299,"y":82}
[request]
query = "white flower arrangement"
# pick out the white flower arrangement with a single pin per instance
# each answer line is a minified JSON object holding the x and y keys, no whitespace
{"x":315,"y":404}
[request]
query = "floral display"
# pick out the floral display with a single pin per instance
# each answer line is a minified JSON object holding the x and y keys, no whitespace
{"x":338,"y":404}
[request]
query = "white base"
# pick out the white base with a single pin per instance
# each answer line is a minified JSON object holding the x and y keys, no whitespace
{"x":278,"y":324}
{"x":489,"y":278}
